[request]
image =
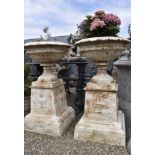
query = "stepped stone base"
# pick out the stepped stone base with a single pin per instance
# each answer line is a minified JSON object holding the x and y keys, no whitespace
{"x":112,"y":133}
{"x":48,"y":124}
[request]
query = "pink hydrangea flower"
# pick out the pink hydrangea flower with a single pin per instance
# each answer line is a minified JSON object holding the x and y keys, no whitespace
{"x":99,"y":13}
{"x":111,"y":18}
{"x":97,"y":23}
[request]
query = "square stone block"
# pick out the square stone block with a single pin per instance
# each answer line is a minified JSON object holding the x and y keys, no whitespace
{"x":49,"y":124}
{"x":112,"y":133}
{"x":48,"y":101}
{"x":49,"y":111}
{"x":100,"y":105}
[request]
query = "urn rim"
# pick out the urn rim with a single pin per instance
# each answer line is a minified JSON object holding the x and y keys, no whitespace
{"x":46,"y":43}
{"x":101,"y":39}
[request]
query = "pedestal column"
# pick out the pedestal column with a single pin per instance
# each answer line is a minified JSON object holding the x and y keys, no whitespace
{"x":123,"y":65}
{"x":49,"y":111}
{"x":101,"y":122}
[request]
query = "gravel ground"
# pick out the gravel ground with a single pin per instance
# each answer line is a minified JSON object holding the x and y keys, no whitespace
{"x":38,"y":144}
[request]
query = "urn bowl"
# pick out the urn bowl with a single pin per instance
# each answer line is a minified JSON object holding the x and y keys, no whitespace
{"x":45,"y":52}
{"x":102,"y":49}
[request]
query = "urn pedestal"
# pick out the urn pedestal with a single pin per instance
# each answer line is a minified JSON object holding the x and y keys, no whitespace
{"x":49,"y":111}
{"x":102,"y":121}
{"x":123,"y":65}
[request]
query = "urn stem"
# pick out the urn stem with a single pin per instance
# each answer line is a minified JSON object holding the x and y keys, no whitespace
{"x":102,"y":67}
{"x":48,"y":75}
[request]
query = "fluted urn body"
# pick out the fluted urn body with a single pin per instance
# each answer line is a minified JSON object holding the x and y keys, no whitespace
{"x":50,"y":113}
{"x":102,"y":121}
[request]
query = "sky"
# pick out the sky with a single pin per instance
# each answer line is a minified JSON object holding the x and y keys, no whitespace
{"x":62,"y":16}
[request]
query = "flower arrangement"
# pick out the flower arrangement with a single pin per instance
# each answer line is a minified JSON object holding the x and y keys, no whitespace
{"x":100,"y":24}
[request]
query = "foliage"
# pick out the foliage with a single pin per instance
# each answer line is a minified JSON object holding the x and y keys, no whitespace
{"x":84,"y":27}
{"x":100,"y":24}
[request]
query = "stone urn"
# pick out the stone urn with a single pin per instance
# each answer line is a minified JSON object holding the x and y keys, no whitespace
{"x":102,"y":121}
{"x":47,"y":54}
{"x":49,"y":111}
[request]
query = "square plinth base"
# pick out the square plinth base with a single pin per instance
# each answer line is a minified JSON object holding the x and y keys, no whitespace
{"x":112,"y":133}
{"x":49,"y":124}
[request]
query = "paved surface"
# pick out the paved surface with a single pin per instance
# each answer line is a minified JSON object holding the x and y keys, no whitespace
{"x":38,"y":144}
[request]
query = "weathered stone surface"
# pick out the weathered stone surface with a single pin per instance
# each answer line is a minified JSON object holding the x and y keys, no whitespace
{"x":46,"y":51}
{"x":101,"y":122}
{"x":102,"y":49}
{"x":99,"y":104}
{"x":112,"y":133}
{"x":39,"y":144}
{"x":49,"y":111}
